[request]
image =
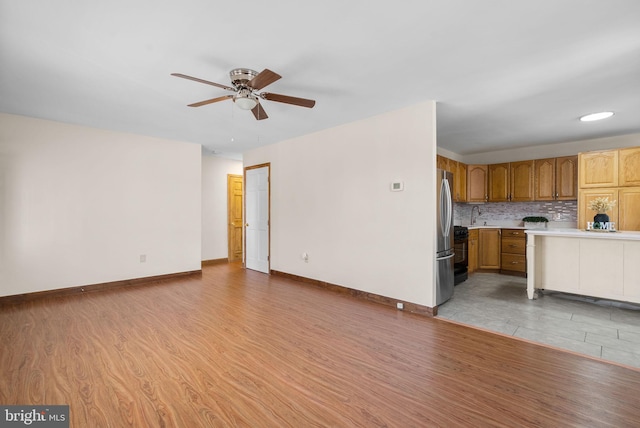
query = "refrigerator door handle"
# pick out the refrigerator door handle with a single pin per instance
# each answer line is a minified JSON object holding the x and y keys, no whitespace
{"x":450,"y":256}
{"x":445,"y":208}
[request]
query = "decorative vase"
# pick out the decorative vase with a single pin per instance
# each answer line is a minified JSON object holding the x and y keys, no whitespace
{"x":601,"y":218}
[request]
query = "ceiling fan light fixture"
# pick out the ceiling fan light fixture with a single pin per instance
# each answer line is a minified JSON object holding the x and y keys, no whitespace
{"x":246,"y":84}
{"x":596,"y":116}
{"x":245,"y":99}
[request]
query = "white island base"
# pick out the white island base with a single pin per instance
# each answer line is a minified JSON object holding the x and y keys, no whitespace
{"x":597,"y":264}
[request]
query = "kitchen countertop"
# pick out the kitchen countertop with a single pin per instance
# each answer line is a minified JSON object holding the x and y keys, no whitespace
{"x":495,"y":226}
{"x":511,"y":224}
{"x":581,"y":233}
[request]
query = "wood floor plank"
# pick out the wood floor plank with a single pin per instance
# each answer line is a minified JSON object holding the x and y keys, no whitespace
{"x":240,"y":348}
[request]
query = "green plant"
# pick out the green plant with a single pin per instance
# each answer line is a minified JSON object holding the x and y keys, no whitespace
{"x":533,"y":219}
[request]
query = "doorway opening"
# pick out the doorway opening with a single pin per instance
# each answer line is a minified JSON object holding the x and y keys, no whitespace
{"x":256,"y":209}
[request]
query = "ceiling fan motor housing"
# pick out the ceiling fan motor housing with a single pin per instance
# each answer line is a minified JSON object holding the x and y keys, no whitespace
{"x":241,"y":76}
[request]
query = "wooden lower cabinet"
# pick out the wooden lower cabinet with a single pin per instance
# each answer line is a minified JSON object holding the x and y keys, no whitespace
{"x":514,"y":250}
{"x":489,"y":248}
{"x":501,"y":250}
{"x":473,"y":251}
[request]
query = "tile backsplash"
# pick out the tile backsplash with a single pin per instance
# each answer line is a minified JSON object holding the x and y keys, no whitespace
{"x":560,"y":211}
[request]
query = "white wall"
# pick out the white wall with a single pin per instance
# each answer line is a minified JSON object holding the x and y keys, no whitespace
{"x":550,"y":150}
{"x":214,"y":205}
{"x":331,"y":198}
{"x":79,"y":206}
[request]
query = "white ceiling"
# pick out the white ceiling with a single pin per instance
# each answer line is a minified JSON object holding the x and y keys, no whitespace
{"x":505,"y":73}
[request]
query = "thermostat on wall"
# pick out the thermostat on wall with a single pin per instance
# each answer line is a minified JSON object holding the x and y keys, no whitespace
{"x":397,"y":186}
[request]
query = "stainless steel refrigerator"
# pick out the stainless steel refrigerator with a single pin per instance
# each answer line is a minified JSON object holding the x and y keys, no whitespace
{"x":444,"y":226}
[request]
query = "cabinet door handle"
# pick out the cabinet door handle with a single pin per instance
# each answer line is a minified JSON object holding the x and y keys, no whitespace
{"x":514,"y":263}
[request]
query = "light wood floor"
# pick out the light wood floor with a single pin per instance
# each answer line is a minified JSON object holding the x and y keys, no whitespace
{"x":240,"y":348}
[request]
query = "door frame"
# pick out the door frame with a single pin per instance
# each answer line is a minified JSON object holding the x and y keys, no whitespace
{"x":230,"y":217}
{"x":244,"y":213}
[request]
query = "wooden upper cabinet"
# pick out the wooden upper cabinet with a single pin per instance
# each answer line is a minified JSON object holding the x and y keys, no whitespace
{"x":521,"y":181}
{"x":587,"y":195}
{"x":477,"y":179}
{"x":511,"y":181}
{"x":442,"y":162}
{"x":499,"y":182}
{"x":614,"y":174}
{"x":624,"y":213}
{"x":545,"y":179}
{"x":628,"y":208}
{"x":598,"y":169}
{"x":459,"y":171}
{"x":567,"y":178}
{"x":460,"y":182}
{"x":556,"y":179}
{"x":629,"y":167}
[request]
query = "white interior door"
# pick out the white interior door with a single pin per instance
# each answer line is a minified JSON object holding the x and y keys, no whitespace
{"x":257,"y":218}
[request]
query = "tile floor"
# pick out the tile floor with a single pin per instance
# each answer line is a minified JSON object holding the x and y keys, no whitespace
{"x":596,"y":327}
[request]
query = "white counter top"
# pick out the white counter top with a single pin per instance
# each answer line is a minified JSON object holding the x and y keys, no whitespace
{"x":579,"y":233}
{"x":495,"y":227}
{"x":515,"y":224}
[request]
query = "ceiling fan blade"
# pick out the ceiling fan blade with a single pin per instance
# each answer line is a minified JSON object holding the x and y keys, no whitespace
{"x":211,"y":101}
{"x":303,"y":102}
{"x":263,"y":79}
{"x":259,"y":112}
{"x":195,"y":79}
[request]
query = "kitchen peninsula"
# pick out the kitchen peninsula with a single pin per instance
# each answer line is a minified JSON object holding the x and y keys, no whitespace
{"x":596,"y":264}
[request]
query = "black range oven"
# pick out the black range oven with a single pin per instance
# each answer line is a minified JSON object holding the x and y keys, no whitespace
{"x":461,"y":258}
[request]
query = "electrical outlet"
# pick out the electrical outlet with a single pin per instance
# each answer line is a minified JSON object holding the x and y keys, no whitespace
{"x":400,"y":306}
{"x":305,"y":257}
{"x":143,"y":258}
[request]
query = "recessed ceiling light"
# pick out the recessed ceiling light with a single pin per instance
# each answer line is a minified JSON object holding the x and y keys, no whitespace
{"x":596,"y":116}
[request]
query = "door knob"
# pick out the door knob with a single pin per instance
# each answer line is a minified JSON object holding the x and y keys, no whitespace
{"x":247,"y":224}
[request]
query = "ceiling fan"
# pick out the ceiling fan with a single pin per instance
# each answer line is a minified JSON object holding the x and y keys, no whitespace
{"x":246,"y":83}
